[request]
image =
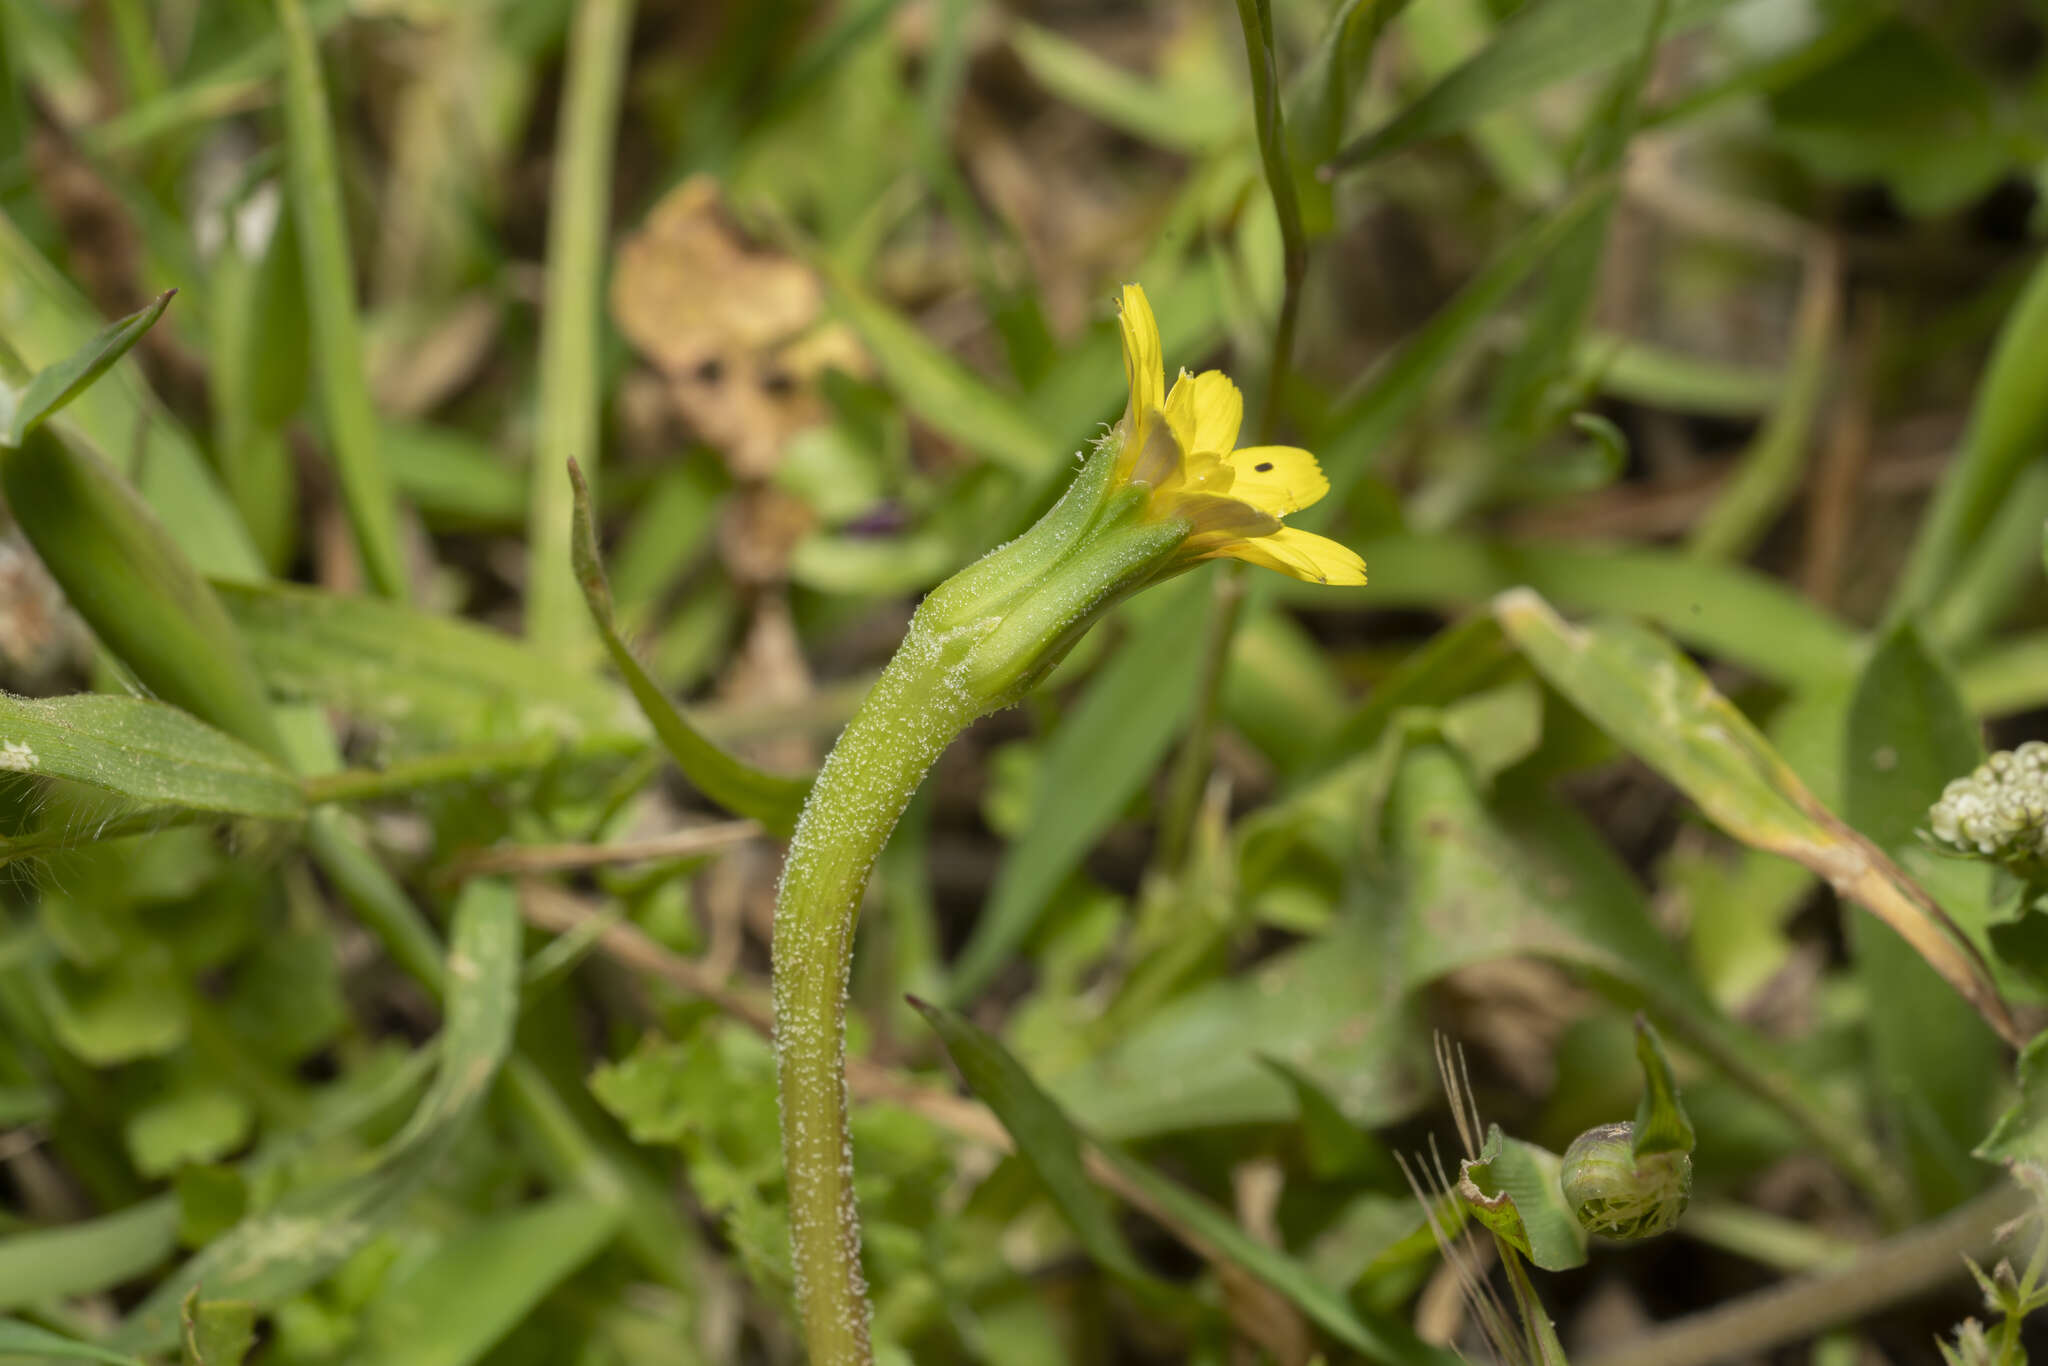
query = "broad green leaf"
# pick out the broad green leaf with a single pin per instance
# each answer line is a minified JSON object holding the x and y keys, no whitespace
{"x":280,"y":1250}
{"x":1512,"y":1188}
{"x":1332,"y":1009}
{"x":2021,"y":1134}
{"x":1044,"y":1137}
{"x":44,"y":1265}
{"x":134,"y":584}
{"x":1102,"y":755}
{"x":450,"y":1309}
{"x":1934,"y":1064}
{"x":1656,"y":703}
{"x":58,"y":384}
{"x":193,"y":1124}
{"x":1034,"y":1119}
{"x":18,"y":1339}
{"x":770,"y":798}
{"x":145,"y":751}
{"x":1901,"y":109}
{"x":1548,"y":41}
{"x":452,"y":679}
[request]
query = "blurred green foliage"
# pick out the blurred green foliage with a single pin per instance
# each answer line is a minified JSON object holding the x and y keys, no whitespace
{"x":1714,"y":327}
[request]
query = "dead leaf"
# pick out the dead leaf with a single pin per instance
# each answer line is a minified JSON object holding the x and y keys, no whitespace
{"x":733,"y":326}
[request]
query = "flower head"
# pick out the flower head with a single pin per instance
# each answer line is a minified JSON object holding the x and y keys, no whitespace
{"x":1181,"y":445}
{"x":2000,"y":811}
{"x":1161,"y":493}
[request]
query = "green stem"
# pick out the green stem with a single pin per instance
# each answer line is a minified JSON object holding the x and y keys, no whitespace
{"x":1191,"y":766}
{"x":913,"y":713}
{"x":471,"y":764}
{"x":577,"y":217}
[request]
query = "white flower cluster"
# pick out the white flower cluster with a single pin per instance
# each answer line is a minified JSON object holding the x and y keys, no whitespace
{"x":2001,"y":809}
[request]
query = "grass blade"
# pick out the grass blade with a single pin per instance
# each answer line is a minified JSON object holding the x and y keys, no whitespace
{"x":56,"y":386}
{"x":577,"y":221}
{"x":2008,"y":427}
{"x":769,"y":798}
{"x":315,"y":180}
{"x":1545,"y":43}
{"x":18,"y":1339}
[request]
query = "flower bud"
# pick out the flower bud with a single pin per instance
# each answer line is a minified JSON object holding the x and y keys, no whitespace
{"x":1615,"y":1193}
{"x":2000,"y":810}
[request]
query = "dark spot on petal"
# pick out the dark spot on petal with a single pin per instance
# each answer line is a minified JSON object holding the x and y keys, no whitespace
{"x":1264,"y":467}
{"x":711,"y":371}
{"x":779,"y":383}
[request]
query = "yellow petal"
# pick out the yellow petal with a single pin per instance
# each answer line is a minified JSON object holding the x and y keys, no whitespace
{"x":1280,"y":479}
{"x":1156,"y":458}
{"x":1144,"y":372}
{"x":1303,"y":554}
{"x":1205,"y":411}
{"x":1214,"y":518}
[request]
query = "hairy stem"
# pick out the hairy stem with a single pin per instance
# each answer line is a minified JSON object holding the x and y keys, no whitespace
{"x":915,"y":710}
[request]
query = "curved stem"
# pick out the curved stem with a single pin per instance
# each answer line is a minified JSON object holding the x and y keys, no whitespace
{"x":913,"y":713}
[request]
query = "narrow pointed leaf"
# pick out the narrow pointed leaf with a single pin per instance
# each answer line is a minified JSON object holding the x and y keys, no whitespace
{"x":56,"y":386}
{"x":770,"y":798}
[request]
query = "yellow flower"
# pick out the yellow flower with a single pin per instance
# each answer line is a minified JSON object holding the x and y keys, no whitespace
{"x":1179,"y":445}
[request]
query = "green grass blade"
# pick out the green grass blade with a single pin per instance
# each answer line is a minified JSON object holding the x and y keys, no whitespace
{"x":1045,"y":1138}
{"x":451,"y":1308}
{"x":1102,"y":755}
{"x":578,"y":213}
{"x":769,"y":798}
{"x":48,"y":320}
{"x":1045,"y":1135}
{"x":18,"y":1339}
{"x":957,"y":402}
{"x":1728,"y":611}
{"x":87,"y":1257}
{"x":1769,"y":472}
{"x":56,"y":386}
{"x":315,"y":180}
{"x":2008,"y":427}
{"x":1545,"y":43}
{"x":1364,"y":418}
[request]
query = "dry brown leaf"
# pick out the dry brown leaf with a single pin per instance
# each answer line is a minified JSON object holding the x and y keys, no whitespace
{"x":733,"y":326}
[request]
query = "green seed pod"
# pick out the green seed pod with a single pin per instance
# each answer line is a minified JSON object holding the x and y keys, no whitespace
{"x":1616,"y":1194}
